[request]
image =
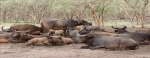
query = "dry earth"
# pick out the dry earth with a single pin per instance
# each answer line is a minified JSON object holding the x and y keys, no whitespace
{"x":10,"y":50}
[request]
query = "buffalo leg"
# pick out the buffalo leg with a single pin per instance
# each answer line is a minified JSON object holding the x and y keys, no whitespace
{"x":144,"y":43}
{"x":36,"y":33}
{"x":122,"y":47}
{"x":13,"y":41}
{"x":3,"y":40}
{"x":47,"y":43}
{"x":95,"y":47}
{"x":68,"y":29}
{"x":65,"y":34}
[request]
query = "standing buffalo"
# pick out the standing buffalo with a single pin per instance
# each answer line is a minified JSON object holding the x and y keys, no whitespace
{"x":63,"y":24}
{"x":32,"y":28}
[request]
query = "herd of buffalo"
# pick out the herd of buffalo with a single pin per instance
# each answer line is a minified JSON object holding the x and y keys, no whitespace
{"x":54,"y":32}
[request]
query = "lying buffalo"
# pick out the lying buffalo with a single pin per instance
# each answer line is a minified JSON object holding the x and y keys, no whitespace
{"x":62,"y":24}
{"x":66,"y":41}
{"x":107,"y":42}
{"x":120,"y":30}
{"x":39,"y":41}
{"x":32,"y":28}
{"x":13,"y":37}
{"x":137,"y":36}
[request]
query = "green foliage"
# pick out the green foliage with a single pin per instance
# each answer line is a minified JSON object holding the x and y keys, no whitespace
{"x":20,"y":9}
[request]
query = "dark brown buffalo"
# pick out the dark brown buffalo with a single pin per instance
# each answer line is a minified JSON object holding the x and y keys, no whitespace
{"x":32,"y":28}
{"x":107,"y":42}
{"x":62,"y":24}
{"x":120,"y":30}
{"x":137,"y":36}
{"x":141,"y":38}
{"x":13,"y":37}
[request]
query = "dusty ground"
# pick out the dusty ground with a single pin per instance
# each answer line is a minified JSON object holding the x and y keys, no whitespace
{"x":69,"y":51}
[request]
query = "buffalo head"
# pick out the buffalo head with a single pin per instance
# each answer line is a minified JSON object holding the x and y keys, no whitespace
{"x":82,"y":38}
{"x":83,"y":22}
{"x":56,"y":40}
{"x":20,"y":34}
{"x":120,"y":30}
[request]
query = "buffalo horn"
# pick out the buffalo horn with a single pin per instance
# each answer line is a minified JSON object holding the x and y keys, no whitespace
{"x":77,"y":33}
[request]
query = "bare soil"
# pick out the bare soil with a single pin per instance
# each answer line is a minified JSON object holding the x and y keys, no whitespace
{"x":19,"y":50}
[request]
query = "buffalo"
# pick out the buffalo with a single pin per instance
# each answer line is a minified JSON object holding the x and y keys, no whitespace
{"x":64,"y":24}
{"x":66,"y":41}
{"x":13,"y":37}
{"x":35,"y":30}
{"x":120,"y":30}
{"x":107,"y":42}
{"x":39,"y":41}
{"x":137,"y":36}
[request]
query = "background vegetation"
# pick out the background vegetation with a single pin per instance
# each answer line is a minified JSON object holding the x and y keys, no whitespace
{"x":100,"y":12}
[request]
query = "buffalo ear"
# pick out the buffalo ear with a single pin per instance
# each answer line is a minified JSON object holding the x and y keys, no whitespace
{"x":114,"y":27}
{"x":124,"y":27}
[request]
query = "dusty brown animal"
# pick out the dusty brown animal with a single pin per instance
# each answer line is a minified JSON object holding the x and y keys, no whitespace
{"x":56,"y":40}
{"x":39,"y":41}
{"x":3,"y":40}
{"x":77,"y":27}
{"x":59,"y":33}
{"x":13,"y":37}
{"x":56,"y":32}
{"x":32,"y":28}
{"x":66,"y":41}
